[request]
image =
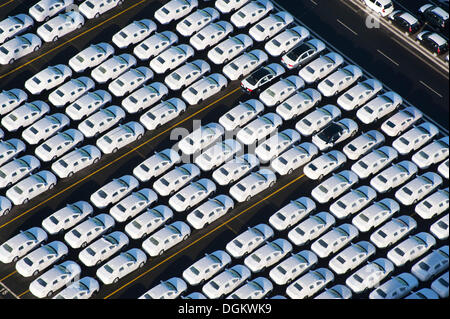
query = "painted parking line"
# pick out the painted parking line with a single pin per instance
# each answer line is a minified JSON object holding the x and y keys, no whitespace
{"x":8,"y":276}
{"x":206,"y":235}
{"x":5,"y":290}
{"x":6,"y":3}
{"x":23,"y":293}
{"x":120,"y":157}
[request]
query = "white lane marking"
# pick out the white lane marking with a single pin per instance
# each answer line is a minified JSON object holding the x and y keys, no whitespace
{"x":342,"y":23}
{"x":8,"y":290}
{"x":315,"y":3}
{"x":383,"y":54}
{"x":349,"y":6}
{"x":431,"y":89}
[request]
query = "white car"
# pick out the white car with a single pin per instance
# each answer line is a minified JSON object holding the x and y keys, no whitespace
{"x":251,"y":12}
{"x":271,"y":25}
{"x":21,"y":244}
{"x":18,"y":47}
{"x":45,"y":9}
{"x":113,"y":67}
{"x":393,"y":231}
{"x":210,"y":35}
{"x":229,"y":48}
{"x":334,"y":240}
{"x":67,"y":217}
{"x":359,"y":94}
{"x":339,"y":292}
{"x":411,"y":248}
{"x":60,"y":25}
{"x":89,"y":230}
{"x":145,"y":97}
{"x":24,"y":115}
{"x":187,"y":74}
{"x":339,"y":80}
{"x":424,"y":293}
{"x":81,"y":289}
{"x":281,"y":90}
{"x":268,"y":255}
{"x":298,"y":103}
{"x":379,"y":107}
{"x":318,"y":119}
{"x":10,"y":99}
{"x":443,"y":168}
{"x":249,"y":240}
{"x":30,"y":187}
{"x":209,"y":211}
{"x":433,"y":205}
{"x":311,"y":228}
{"x":334,"y":186}
{"x":363,"y":144}
{"x":295,"y":157}
{"x":381,"y":7}
{"x":155,"y":44}
{"x":103,"y":248}
{"x":114,"y":191}
{"x":59,"y":144}
{"x":415,"y":138}
{"x":206,"y":267}
{"x":440,"y":285}
{"x":200,"y":138}
{"x":176,"y":178}
{"x":292,"y":213}
{"x":351,"y":257}
{"x":48,"y":78}
{"x":76,"y":160}
{"x":101,"y":121}
{"x":432,"y":264}
{"x":286,"y":40}
{"x":87,"y":104}
{"x":241,"y":114}
{"x":292,"y":267}
{"x":41,"y":258}
{"x":396,"y":287}
{"x":166,"y":238}
{"x":121,"y":265}
{"x":303,"y":53}
{"x":401,"y":120}
{"x":256,"y":288}
{"x":169,"y":289}
{"x":321,"y":67}
{"x":226,"y":6}
{"x":10,"y":149}
{"x":310,"y":283}
{"x":261,"y":77}
{"x":92,"y":9}
{"x":156,"y":164}
{"x":253,"y":184}
{"x":130,"y":80}
{"x":376,"y":214}
{"x":71,"y":90}
{"x":369,"y":275}
{"x":276,"y":144}
{"x":90,"y":57}
{"x":374,"y":161}
{"x":171,"y":58}
{"x":174,"y":10}
{"x":226,"y":281}
{"x":244,"y":64}
{"x":119,"y":137}
{"x":196,"y":21}
{"x":235,"y":168}
{"x":259,"y":128}
{"x":17,"y":169}
{"x":324,"y":164}
{"x":55,"y":278}
{"x":393,"y":176}
{"x":148,"y":221}
{"x":353,"y":201}
{"x":133,"y":33}
{"x":418,"y":188}
{"x":217,"y":154}
{"x":433,"y":153}
{"x":192,"y":194}
{"x":45,"y":127}
{"x":204,"y":88}
{"x":335,"y":133}
{"x":133,"y":204}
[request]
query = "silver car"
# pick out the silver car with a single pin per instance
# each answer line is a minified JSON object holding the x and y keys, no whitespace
{"x":293,"y":266}
{"x":10,"y":99}
{"x":311,"y":228}
{"x":295,"y":157}
{"x":298,"y":103}
{"x":353,"y":201}
{"x":76,"y":160}
{"x":156,"y":164}
{"x":87,"y":104}
{"x":334,"y":240}
{"x":145,"y":97}
{"x":244,"y":64}
{"x":67,"y":217}
{"x":292,"y":213}
{"x":90,"y":57}
{"x":375,"y":214}
{"x":374,"y":161}
{"x":249,"y":240}
{"x":359,"y":94}
{"x":363,"y":144}
{"x":235,"y":168}
{"x":241,"y":114}
{"x":369,"y":275}
{"x":17,"y":169}
{"x":310,"y":283}
{"x":393,"y":176}
{"x":206,"y":267}
{"x":186,"y":74}
{"x":155,"y":44}
{"x":21,"y":244}
{"x":48,"y":78}
{"x":14,"y":25}
{"x":229,"y":48}
{"x":393,"y":231}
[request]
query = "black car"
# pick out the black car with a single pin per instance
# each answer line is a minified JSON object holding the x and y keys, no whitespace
{"x":405,"y":21}
{"x":435,"y":16}
{"x":261,"y":77}
{"x":433,"y":42}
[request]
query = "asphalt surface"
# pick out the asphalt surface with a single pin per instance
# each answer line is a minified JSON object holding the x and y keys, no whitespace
{"x":321,"y":17}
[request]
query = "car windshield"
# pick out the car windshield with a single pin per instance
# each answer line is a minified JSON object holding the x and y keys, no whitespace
{"x":258,"y":75}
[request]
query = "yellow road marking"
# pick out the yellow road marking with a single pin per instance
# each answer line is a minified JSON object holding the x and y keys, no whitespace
{"x":23,"y":293}
{"x":6,"y":3}
{"x":8,"y":275}
{"x":206,"y":235}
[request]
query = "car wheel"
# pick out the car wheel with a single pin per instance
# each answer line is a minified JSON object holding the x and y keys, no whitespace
{"x":116,"y":280}
{"x":139,"y":136}
{"x":321,"y":176}
{"x":98,"y":262}
{"x":141,"y":264}
{"x":185,"y":237}
{"x":271,"y":184}
{"x":55,"y":38}
{"x":83,"y":244}
{"x":35,"y":272}
{"x":161,"y":252}
{"x":26,"y":200}
{"x":15,"y":259}
{"x":70,"y":174}
{"x":79,"y":26}
{"x":50,"y":293}
{"x":115,"y":150}
{"x":290,"y":171}
{"x":97,"y":15}
{"x":12,"y":61}
{"x":225,"y":61}
{"x":248,"y":198}
{"x":36,"y":48}
{"x":51,"y":186}
{"x":96,"y":160}
{"x":188,"y":207}
{"x":231,"y":181}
